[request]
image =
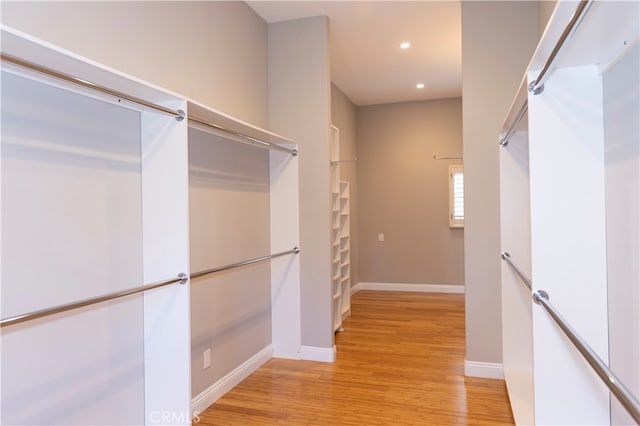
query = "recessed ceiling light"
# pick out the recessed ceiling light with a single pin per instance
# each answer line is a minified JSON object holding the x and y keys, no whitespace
{"x":405,"y":45}
{"x":420,"y":85}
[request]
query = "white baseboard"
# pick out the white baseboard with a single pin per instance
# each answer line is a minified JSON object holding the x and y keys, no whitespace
{"x":420,"y":288}
{"x":228,"y":382}
{"x":314,"y":353}
{"x":488,"y":370}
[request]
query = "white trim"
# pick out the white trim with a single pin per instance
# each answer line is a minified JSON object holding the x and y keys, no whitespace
{"x":314,"y":353}
{"x":487,"y":370}
{"x":419,"y":288}
{"x":228,"y":382}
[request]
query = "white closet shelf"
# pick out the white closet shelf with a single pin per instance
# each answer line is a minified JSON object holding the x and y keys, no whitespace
{"x":31,"y":49}
{"x":204,"y":113}
{"x":604,"y":35}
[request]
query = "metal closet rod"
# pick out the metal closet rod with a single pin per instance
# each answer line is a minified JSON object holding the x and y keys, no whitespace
{"x":617,"y":388}
{"x":507,"y":258}
{"x":254,"y":141}
{"x":537,"y":86}
{"x":504,"y":141}
{"x":435,"y":157}
{"x":614,"y":384}
{"x":182,"y":279}
{"x":178,"y":114}
{"x":295,"y":250}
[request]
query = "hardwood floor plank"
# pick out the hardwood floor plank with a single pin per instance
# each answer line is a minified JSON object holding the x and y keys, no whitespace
{"x":400,"y":362}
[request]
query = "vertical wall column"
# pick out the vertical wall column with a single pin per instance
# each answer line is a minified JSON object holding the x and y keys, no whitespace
{"x":300,"y":107}
{"x":498,"y":39}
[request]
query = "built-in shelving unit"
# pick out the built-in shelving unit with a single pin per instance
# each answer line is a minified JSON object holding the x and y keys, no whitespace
{"x":340,"y":238}
{"x":336,"y":269}
{"x":95,"y":196}
{"x":345,"y":252}
{"x":570,"y":179}
{"x":92,"y":180}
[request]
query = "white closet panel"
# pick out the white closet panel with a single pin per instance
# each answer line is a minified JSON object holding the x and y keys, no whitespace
{"x":285,"y":271}
{"x":568,"y":243}
{"x":517,"y":328}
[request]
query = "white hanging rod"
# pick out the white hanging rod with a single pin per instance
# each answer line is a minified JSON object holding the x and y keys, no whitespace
{"x":617,"y":388}
{"x":253,"y":141}
{"x":178,"y":114}
{"x":435,"y":157}
{"x":295,"y":250}
{"x":182,"y":279}
{"x":504,"y":141}
{"x":526,"y":280}
{"x":537,"y":86}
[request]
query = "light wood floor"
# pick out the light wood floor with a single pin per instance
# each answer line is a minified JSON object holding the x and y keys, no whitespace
{"x":400,"y":362}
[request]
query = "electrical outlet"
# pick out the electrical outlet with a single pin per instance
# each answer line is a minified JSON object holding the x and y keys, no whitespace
{"x":207,"y":359}
{"x":381,"y":237}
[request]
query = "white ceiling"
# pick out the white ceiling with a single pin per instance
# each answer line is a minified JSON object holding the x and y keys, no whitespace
{"x":367,"y":63}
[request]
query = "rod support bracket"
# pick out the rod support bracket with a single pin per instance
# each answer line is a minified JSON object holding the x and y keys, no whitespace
{"x":294,"y":152}
{"x":503,"y":143}
{"x":504,"y":255}
{"x":181,"y":116}
{"x":538,"y":295}
{"x":183,"y":278}
{"x":296,"y":250}
{"x":534,"y":89}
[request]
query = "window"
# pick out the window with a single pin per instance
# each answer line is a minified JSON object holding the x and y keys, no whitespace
{"x":456,"y":196}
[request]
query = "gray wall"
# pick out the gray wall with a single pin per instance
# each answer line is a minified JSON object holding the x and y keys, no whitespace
{"x":212,"y":52}
{"x":228,"y":222}
{"x":343,"y":116}
{"x":498,"y":39}
{"x":545,"y":9}
{"x":621,"y":88}
{"x":404,"y":193}
{"x":187,"y":47}
{"x":300,"y":107}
